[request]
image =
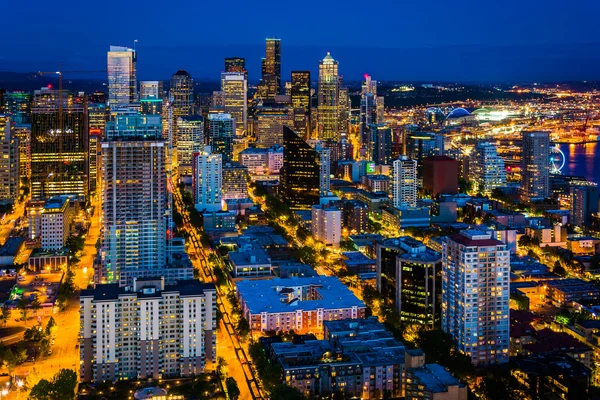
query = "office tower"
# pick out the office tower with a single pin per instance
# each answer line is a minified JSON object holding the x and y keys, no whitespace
{"x":535,"y":165}
{"x":150,"y":106}
{"x":408,"y":277}
{"x":23,"y":134}
{"x":324,"y":168}
{"x":344,"y":111}
{"x":301,"y":102}
{"x":487,"y":168}
{"x":327,"y":224}
{"x":17,"y":104}
{"x":404,"y":182}
{"x":380,"y":150}
{"x":236,"y":64}
{"x":190,"y":140}
{"x":221,"y":134}
{"x":271,"y":68}
{"x":584,"y":203}
{"x":371,"y":109}
{"x":235,"y":181}
{"x":235,"y":97}
{"x":134,"y":193}
{"x":181,"y":95}
{"x":94,"y":161}
{"x":328,"y":92}
{"x":9,"y":162}
{"x":122,"y":76}
{"x":269,"y":123}
{"x":59,"y":144}
{"x":419,"y":145}
{"x":57,"y":217}
{"x":151,"y":90}
{"x":440,"y":175}
{"x":98,"y":115}
{"x":151,"y":331}
{"x":300,"y":174}
{"x":475,"y":295}
{"x":207,"y":180}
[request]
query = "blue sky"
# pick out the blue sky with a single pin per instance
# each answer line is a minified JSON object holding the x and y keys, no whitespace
{"x":395,"y":40}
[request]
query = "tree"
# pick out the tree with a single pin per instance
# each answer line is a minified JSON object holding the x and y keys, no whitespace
{"x":22,"y":306}
{"x":4,"y":316}
{"x":51,"y":327}
{"x":243,"y":328}
{"x":42,"y":391}
{"x":9,"y":361}
{"x":232,"y":388}
{"x":221,"y":365}
{"x":285,"y":392}
{"x":35,"y":305}
{"x":64,"y":383}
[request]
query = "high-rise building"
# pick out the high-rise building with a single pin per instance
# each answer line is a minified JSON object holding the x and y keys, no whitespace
{"x":150,"y":331}
{"x":221,"y":135}
{"x":408,"y":277}
{"x":440,"y":175}
{"x":380,"y":149}
{"x":419,"y":145}
{"x":328,"y":112}
{"x":475,"y":295}
{"x":584,"y":203}
{"x":98,"y":115}
{"x":269,"y":123}
{"x":94,"y":162}
{"x":59,"y":144}
{"x":535,"y":165}
{"x":487,"y":168}
{"x":404,"y":182}
{"x":134,"y":194}
{"x":236,"y":64}
{"x":235,"y":181}
{"x":151,"y":90}
{"x":271,"y":68}
{"x":371,"y":109}
{"x":23,"y":134}
{"x":17,"y":104}
{"x":208,"y":180}
{"x":190,"y":140}
{"x":301,"y":102}
{"x":327,"y":224}
{"x":324,"y":168}
{"x":9,"y":162}
{"x":234,"y":86}
{"x":300,"y":174}
{"x":344,"y":111}
{"x":122,"y":76}
{"x":181,"y":94}
{"x":55,"y":224}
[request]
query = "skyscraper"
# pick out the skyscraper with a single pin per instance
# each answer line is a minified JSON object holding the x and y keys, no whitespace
{"x":475,"y":295}
{"x":17,"y":104}
{"x":300,"y":174}
{"x":269,"y":123}
{"x":371,"y":109}
{"x":487,"y":168}
{"x":584,"y":203}
{"x":23,"y":134}
{"x":151,"y":90}
{"x":235,"y":97}
{"x":535,"y":165}
{"x":380,"y":149}
{"x":59,"y":144}
{"x":301,"y":104}
{"x":440,"y":175}
{"x":9,"y":162}
{"x":404,"y":182}
{"x":344,"y":112}
{"x":181,"y":96}
{"x":236,"y":64}
{"x":221,"y":133}
{"x":324,"y":168}
{"x":208,"y":180}
{"x":122,"y":76}
{"x":328,"y":98}
{"x":190,"y":140}
{"x":134,"y":199}
{"x":271,"y":68}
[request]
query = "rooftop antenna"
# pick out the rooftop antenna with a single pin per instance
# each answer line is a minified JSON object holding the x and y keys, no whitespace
{"x":134,"y":42}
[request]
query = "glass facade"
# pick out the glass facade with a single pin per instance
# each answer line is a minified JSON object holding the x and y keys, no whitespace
{"x":122,"y":76}
{"x":300,"y":175}
{"x":328,"y":97}
{"x":300,"y":97}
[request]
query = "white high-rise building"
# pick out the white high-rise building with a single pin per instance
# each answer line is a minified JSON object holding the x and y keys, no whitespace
{"x":134,"y":193}
{"x":328,"y":91}
{"x":9,"y":162}
{"x":488,"y":168}
{"x":535,"y":165}
{"x":327,"y":224}
{"x":325,"y":166}
{"x":151,"y":90}
{"x":122,"y":76}
{"x":404,"y":182}
{"x":56,"y":220}
{"x":475,"y":295}
{"x":190,"y":140}
{"x":151,"y":331}
{"x":234,"y":86}
{"x":208,"y":180}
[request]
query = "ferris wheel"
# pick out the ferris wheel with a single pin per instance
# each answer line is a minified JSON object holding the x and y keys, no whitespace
{"x":557,"y":160}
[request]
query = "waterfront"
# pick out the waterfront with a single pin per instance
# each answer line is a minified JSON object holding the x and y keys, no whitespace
{"x":582,"y":160}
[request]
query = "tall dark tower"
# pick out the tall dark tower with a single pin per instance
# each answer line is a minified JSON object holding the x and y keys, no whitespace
{"x":272,"y":67}
{"x":300,"y":174}
{"x":236,"y":64}
{"x":300,"y":94}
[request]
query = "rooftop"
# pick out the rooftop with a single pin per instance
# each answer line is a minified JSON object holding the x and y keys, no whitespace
{"x":249,"y":257}
{"x":289,"y":294}
{"x":112,"y":291}
{"x":11,"y":246}
{"x":472,"y":238}
{"x":435,"y":378}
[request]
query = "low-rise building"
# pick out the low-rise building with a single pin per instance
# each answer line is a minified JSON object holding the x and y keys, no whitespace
{"x":57,"y":216}
{"x":223,"y":221}
{"x":10,"y":249}
{"x":153,"y":331}
{"x":327,"y":224}
{"x":433,"y":382}
{"x":249,"y":263}
{"x":553,"y":236}
{"x":298,"y":304}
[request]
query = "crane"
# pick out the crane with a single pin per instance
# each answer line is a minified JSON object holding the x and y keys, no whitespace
{"x":60,"y":74}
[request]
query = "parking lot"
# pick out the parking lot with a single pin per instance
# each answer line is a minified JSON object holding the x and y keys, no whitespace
{"x":32,"y":285}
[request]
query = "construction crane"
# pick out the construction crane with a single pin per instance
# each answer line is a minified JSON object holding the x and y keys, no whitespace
{"x":60,"y":73}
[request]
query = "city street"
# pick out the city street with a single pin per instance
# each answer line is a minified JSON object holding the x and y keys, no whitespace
{"x":9,"y":221}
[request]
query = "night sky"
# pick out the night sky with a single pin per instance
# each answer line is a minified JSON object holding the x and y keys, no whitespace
{"x":509,"y":40}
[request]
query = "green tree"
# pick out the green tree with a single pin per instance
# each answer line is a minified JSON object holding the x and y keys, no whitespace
{"x":243,"y":328}
{"x":22,"y":307}
{"x":35,"y":305}
{"x":221,"y":366}
{"x":9,"y":361}
{"x":51,"y":327}
{"x":64,"y":383}
{"x":285,"y":392}
{"x":4,"y":316}
{"x":43,"y":390}
{"x":232,"y":388}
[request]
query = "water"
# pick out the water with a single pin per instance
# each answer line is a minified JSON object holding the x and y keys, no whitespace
{"x":582,"y":160}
